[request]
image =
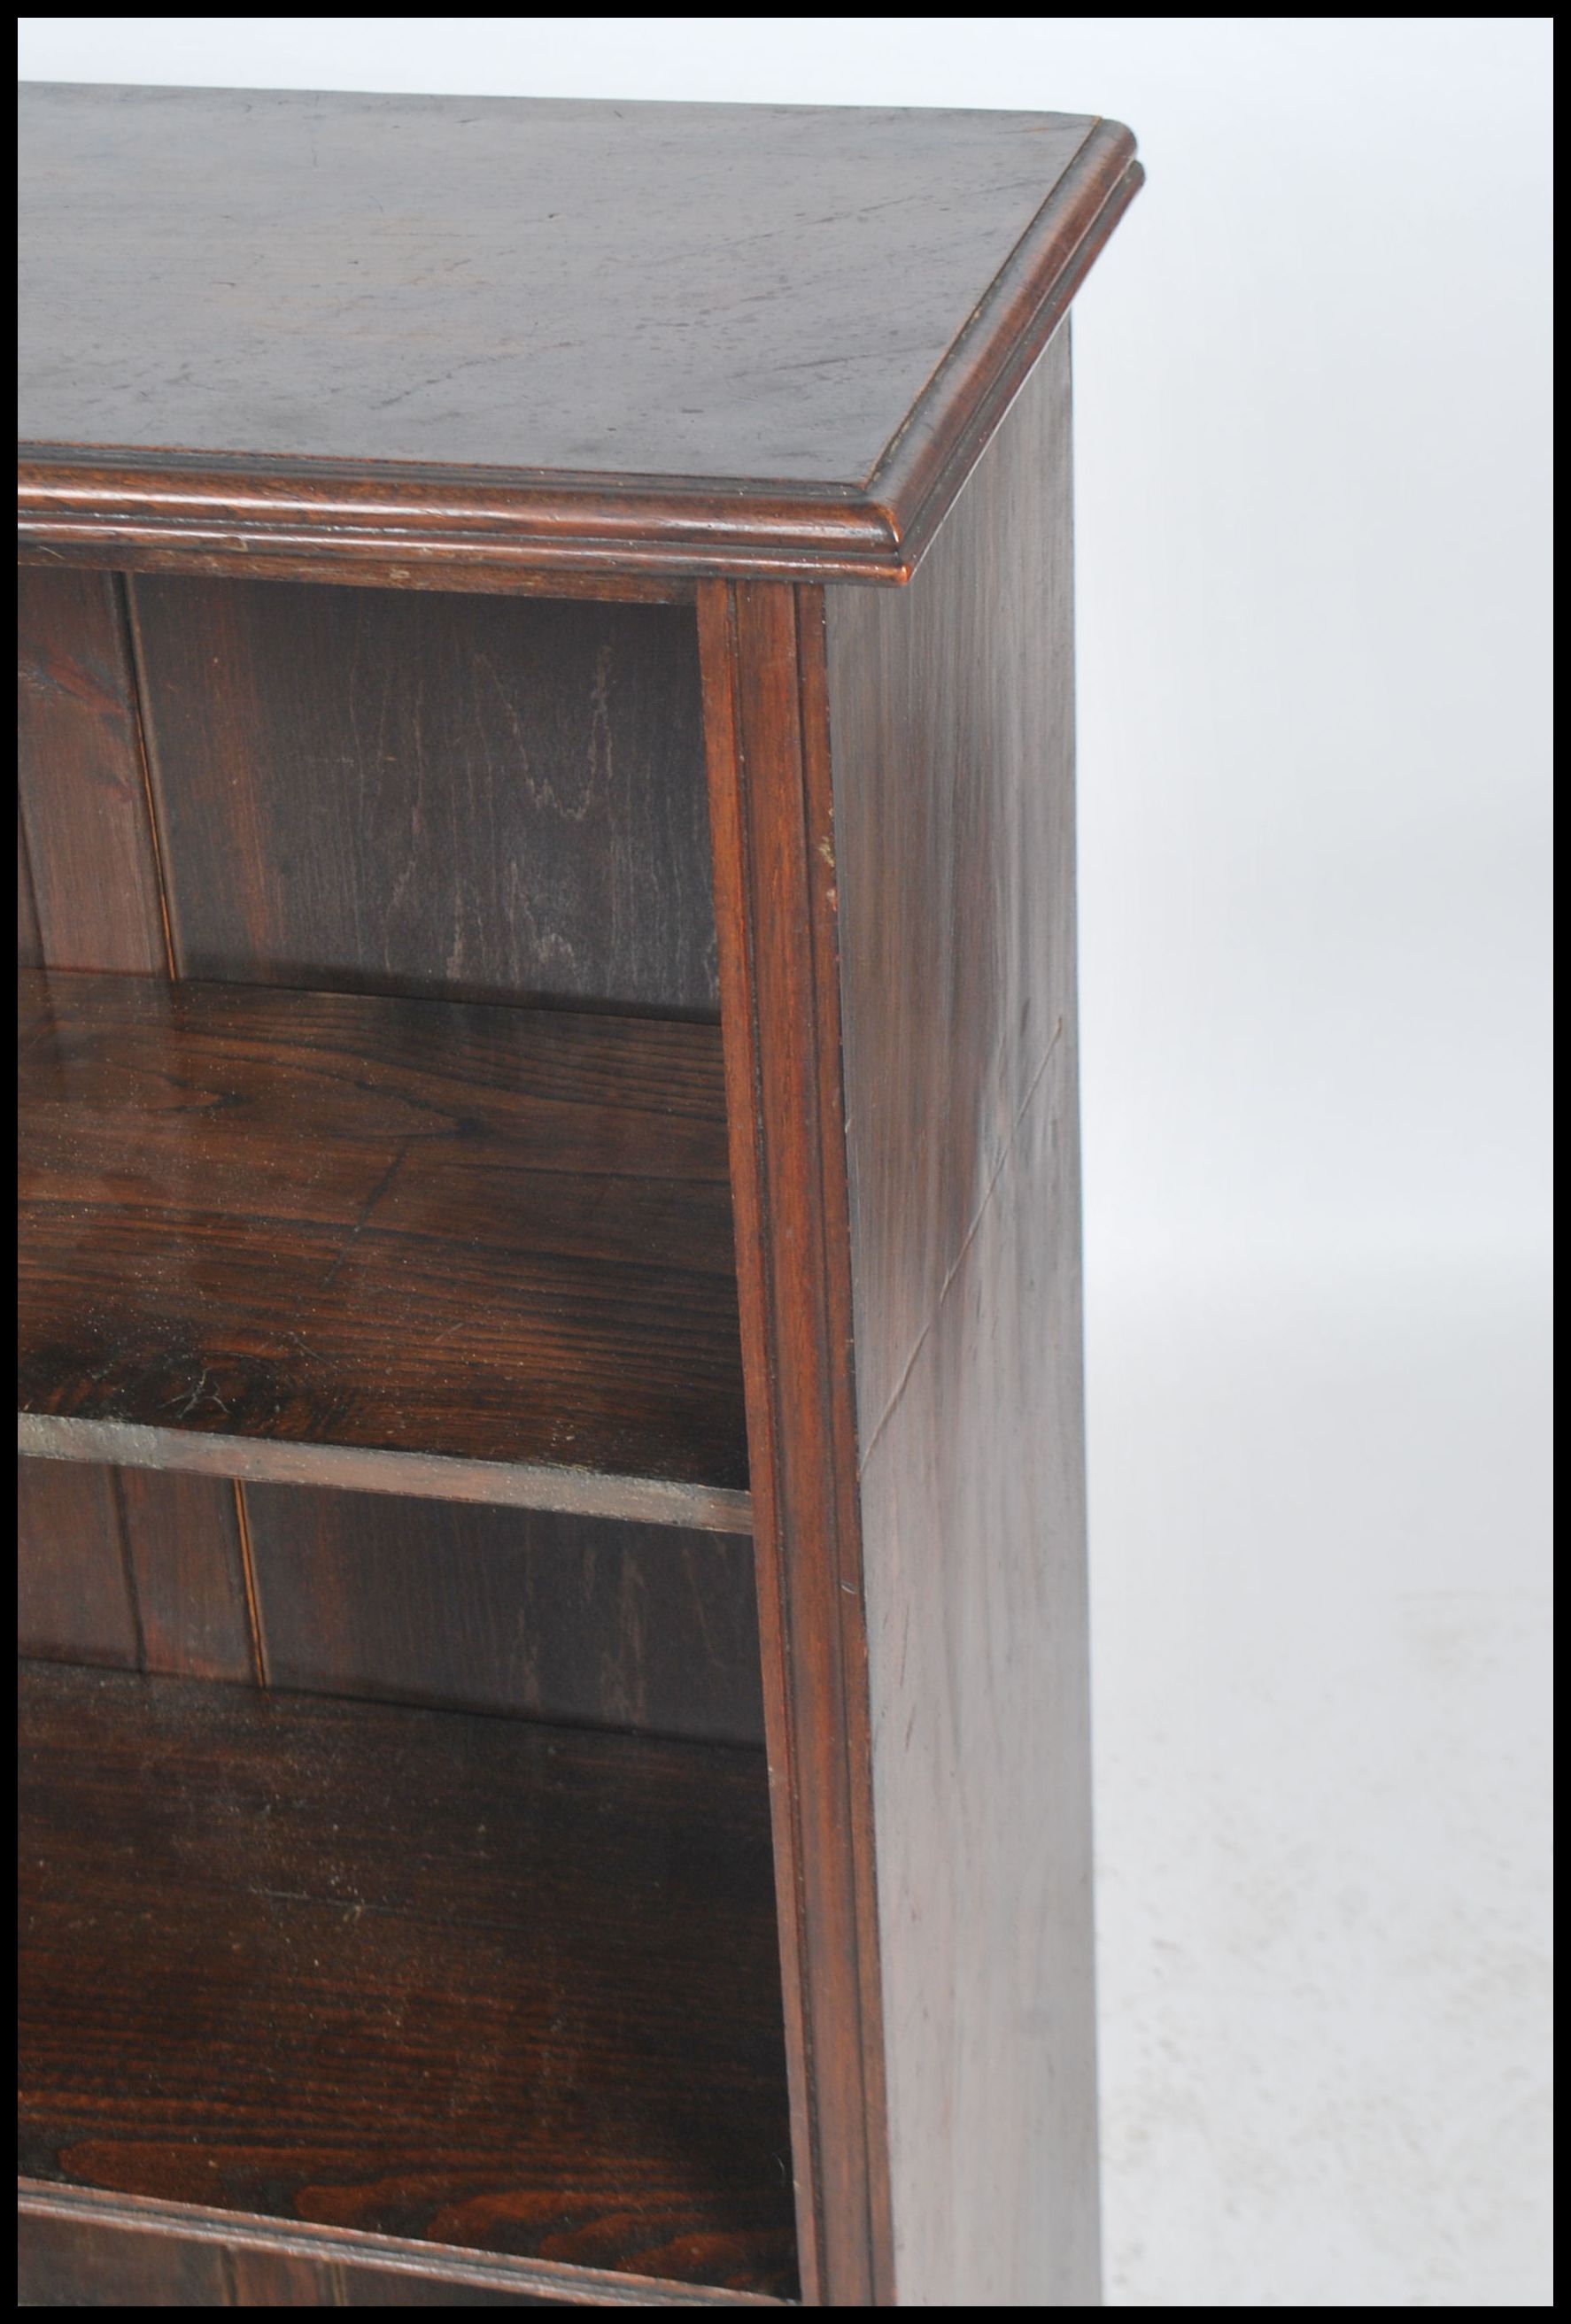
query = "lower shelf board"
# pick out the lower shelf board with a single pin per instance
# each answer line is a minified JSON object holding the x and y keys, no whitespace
{"x":471,"y":1981}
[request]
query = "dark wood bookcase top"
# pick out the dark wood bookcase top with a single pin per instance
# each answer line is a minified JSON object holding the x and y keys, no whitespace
{"x":471,"y":333}
{"x":552,"y":1536}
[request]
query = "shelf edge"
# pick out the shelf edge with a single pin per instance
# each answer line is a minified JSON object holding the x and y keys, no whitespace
{"x":446,"y":2264}
{"x":427,"y":1476}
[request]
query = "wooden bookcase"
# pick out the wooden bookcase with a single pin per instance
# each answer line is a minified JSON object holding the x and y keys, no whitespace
{"x":554,"y":1709}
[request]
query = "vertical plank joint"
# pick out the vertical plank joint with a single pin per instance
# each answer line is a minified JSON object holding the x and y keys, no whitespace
{"x":248,"y":1574}
{"x":128,"y":1565}
{"x":136,"y":687}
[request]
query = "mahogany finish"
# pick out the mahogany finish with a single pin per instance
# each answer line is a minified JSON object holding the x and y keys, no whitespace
{"x":493,"y":1234}
{"x":314,"y":754}
{"x":587,"y":880}
{"x":652,"y":1627}
{"x":951,"y":722}
{"x":67,"y":2260}
{"x":892,"y":787}
{"x":514,"y":334}
{"x":84,"y":825}
{"x":627,"y":1103}
{"x":82,"y":2250}
{"x":504,"y":1985}
{"x":75,"y":1601}
{"x":648,"y":1628}
{"x":83,"y":796}
{"x":775,"y":896}
{"x":132,"y":1569}
{"x":186,"y":1548}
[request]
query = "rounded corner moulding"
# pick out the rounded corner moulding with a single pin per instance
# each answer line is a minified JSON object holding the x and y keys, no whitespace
{"x":439,"y":523}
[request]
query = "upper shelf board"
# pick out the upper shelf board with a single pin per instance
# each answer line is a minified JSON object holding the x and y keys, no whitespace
{"x":424,"y":1247}
{"x":499,"y":336}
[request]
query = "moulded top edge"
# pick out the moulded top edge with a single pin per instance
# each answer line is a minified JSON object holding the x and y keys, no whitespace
{"x":682,"y":338}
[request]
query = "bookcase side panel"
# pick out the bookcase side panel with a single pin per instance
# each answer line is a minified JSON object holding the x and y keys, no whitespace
{"x":951,"y":716}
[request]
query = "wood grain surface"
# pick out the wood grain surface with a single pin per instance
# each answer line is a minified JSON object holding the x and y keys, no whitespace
{"x":75,"y":1597}
{"x":94,"y":900}
{"x":29,"y":943}
{"x":952,"y":724}
{"x":762,"y":646}
{"x":489,"y":800}
{"x":426,"y":337}
{"x":80,"y":2249}
{"x":640,"y":1627}
{"x":131,"y":1568}
{"x":500,"y":1234}
{"x":81,"y":782}
{"x":66,"y":2263}
{"x":647,"y":1628}
{"x":588,"y":1495}
{"x":464,"y":1979}
{"x":481,"y":1982}
{"x":186,"y":1552}
{"x":627,"y":288}
{"x":550,"y":758}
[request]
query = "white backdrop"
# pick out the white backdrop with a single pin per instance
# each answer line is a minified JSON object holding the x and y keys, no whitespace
{"x":1312,"y":395}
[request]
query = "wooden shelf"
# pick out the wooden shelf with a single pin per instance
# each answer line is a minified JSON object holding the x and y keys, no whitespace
{"x":478,"y":1252}
{"x":505,"y":1986}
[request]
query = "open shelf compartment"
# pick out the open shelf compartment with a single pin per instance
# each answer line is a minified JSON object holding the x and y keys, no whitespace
{"x":424,"y":1247}
{"x":499,"y":1985}
{"x":399,"y":1906}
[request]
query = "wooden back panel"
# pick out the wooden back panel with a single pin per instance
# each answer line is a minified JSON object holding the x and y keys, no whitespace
{"x":485,"y":798}
{"x":66,"y":2263}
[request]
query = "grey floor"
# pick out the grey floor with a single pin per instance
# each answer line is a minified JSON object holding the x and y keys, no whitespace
{"x":1319,"y":1514}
